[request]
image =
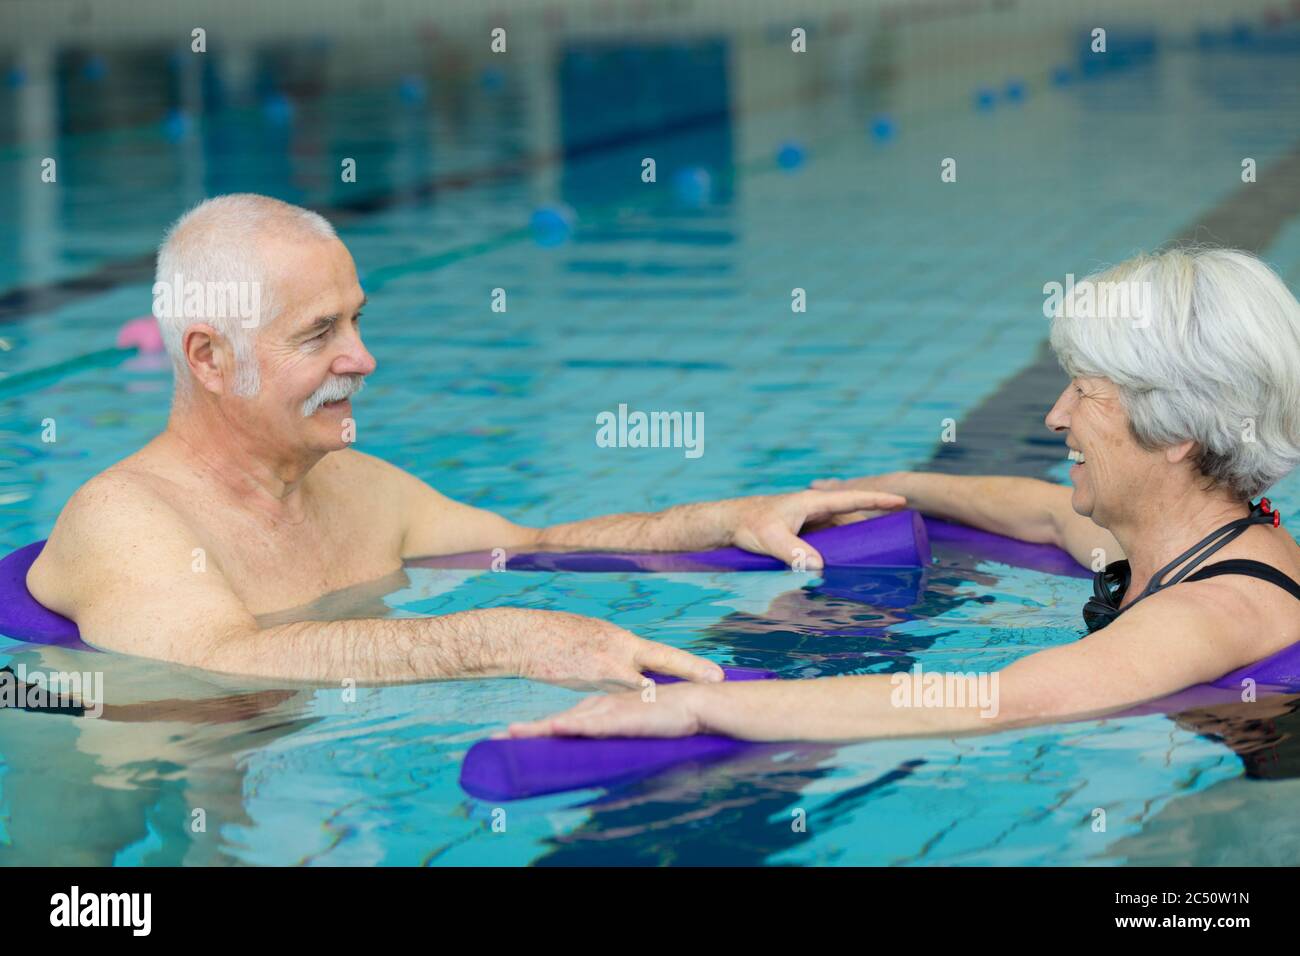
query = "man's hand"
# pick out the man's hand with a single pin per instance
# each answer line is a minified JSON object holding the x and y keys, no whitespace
{"x":769,"y":524}
{"x":585,"y":653}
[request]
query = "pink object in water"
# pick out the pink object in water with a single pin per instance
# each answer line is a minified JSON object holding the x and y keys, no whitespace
{"x":142,"y":333}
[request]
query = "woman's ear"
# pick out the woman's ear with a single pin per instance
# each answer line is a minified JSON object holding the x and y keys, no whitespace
{"x":1179,"y":452}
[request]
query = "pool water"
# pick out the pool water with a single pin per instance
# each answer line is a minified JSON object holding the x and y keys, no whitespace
{"x":923,"y":303}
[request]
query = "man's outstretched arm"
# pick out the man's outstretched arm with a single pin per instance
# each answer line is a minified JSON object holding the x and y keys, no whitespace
{"x":128,"y":562}
{"x":766,"y":524}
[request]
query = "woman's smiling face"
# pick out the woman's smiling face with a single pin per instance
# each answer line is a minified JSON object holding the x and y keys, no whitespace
{"x":1111,"y":470}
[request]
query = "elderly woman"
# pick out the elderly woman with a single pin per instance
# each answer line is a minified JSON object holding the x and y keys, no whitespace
{"x":1183,"y":405}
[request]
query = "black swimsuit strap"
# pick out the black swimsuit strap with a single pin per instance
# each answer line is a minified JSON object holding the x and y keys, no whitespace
{"x":1217,"y":539}
{"x":1251,"y":569}
{"x":1110,"y":586}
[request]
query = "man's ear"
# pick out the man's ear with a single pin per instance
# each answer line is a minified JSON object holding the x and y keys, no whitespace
{"x":1179,"y":452}
{"x":207,"y":356}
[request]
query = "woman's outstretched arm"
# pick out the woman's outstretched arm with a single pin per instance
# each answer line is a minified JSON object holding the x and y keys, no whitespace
{"x":1023,"y":508}
{"x":1168,"y":642}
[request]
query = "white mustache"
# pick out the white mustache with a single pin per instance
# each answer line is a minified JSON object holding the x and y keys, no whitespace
{"x":344,"y":386}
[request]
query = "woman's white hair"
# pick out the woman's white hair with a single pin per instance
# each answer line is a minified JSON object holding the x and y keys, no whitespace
{"x":1204,"y":345}
{"x":216,"y":244}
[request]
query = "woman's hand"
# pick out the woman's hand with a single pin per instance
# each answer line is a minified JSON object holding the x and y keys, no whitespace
{"x":886,"y":484}
{"x":670,"y":712}
{"x":866,"y":483}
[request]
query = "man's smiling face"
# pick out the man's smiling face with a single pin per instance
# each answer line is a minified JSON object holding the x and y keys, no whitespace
{"x":311,"y":357}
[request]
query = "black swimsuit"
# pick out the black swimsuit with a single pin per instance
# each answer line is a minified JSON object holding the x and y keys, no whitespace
{"x":1110,"y":586}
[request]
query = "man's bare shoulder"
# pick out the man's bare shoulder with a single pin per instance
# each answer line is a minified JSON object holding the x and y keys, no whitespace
{"x":357,"y":465}
{"x":429,"y":522}
{"x":121,"y":494}
{"x":110,"y":514}
{"x":356,"y":471}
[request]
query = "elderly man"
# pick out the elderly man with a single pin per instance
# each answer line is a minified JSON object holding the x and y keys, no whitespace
{"x":251,"y":501}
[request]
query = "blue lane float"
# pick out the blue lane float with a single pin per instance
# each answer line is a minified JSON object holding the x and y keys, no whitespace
{"x":278,"y":109}
{"x":412,"y":89}
{"x":693,"y":186}
{"x":1062,"y":76}
{"x":176,"y":125}
{"x":790,"y":155}
{"x":552,"y":225}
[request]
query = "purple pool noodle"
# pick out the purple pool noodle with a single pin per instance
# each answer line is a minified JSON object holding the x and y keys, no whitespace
{"x":511,"y":769}
{"x":514,"y":769}
{"x":732,"y":673}
{"x":24,"y":618}
{"x":530,"y":767}
{"x":1281,"y":670}
{"x":894,"y":540}
{"x":1276,"y":674}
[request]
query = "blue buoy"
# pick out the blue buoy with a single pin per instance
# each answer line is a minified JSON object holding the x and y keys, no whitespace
{"x":1014,"y":91}
{"x":278,"y":108}
{"x":412,"y":89}
{"x":176,"y":125}
{"x":552,"y":224}
{"x":985,"y":99}
{"x":790,"y":155}
{"x":95,"y":69}
{"x":882,"y":128}
{"x":16,"y":77}
{"x":693,"y":186}
{"x":491,"y":79}
{"x":1062,"y":76}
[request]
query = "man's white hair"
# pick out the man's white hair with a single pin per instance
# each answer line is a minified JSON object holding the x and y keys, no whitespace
{"x":1213,"y":357}
{"x":215,"y":244}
